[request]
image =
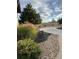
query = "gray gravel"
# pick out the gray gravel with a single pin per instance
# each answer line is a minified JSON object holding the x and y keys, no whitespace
{"x":52,"y":47}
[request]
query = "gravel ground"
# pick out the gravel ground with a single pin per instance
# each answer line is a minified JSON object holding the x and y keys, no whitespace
{"x":58,"y":32}
{"x":49,"y":47}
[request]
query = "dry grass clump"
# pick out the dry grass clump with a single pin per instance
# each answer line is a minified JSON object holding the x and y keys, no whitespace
{"x":26,"y":31}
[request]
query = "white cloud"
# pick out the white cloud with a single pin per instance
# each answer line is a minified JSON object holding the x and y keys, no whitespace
{"x":53,"y":3}
{"x":57,"y":9}
{"x":46,"y":8}
{"x":58,"y":16}
{"x":42,"y":7}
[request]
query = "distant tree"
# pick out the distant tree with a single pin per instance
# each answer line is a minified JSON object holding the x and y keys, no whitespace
{"x":53,"y":20}
{"x":60,"y":20}
{"x":29,"y":14}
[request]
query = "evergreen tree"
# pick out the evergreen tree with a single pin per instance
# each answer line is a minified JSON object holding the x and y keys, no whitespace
{"x":60,"y":20}
{"x":29,"y":14}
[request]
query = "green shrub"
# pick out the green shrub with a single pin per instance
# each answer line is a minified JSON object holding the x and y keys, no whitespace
{"x":26,"y":32}
{"x":27,"y":49}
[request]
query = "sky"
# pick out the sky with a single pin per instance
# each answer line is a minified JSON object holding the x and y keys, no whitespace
{"x":48,"y":9}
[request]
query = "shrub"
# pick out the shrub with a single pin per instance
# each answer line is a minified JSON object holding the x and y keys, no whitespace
{"x":26,"y":31}
{"x":27,"y":49}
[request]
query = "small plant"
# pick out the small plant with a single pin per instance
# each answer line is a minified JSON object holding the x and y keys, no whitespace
{"x":28,"y":31}
{"x":27,"y":49}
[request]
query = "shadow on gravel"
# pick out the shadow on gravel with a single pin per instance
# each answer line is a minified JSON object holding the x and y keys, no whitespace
{"x":42,"y":36}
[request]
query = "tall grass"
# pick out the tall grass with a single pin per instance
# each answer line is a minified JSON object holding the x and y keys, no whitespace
{"x":26,"y":31}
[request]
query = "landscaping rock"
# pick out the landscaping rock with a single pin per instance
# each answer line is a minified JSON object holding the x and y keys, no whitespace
{"x":49,"y":47}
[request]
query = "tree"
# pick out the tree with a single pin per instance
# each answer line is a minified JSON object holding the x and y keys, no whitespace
{"x":18,"y":7}
{"x":54,"y":21}
{"x":60,"y":20}
{"x":29,"y":14}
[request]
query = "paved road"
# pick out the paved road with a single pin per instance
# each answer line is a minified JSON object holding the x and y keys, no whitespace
{"x":53,"y":30}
